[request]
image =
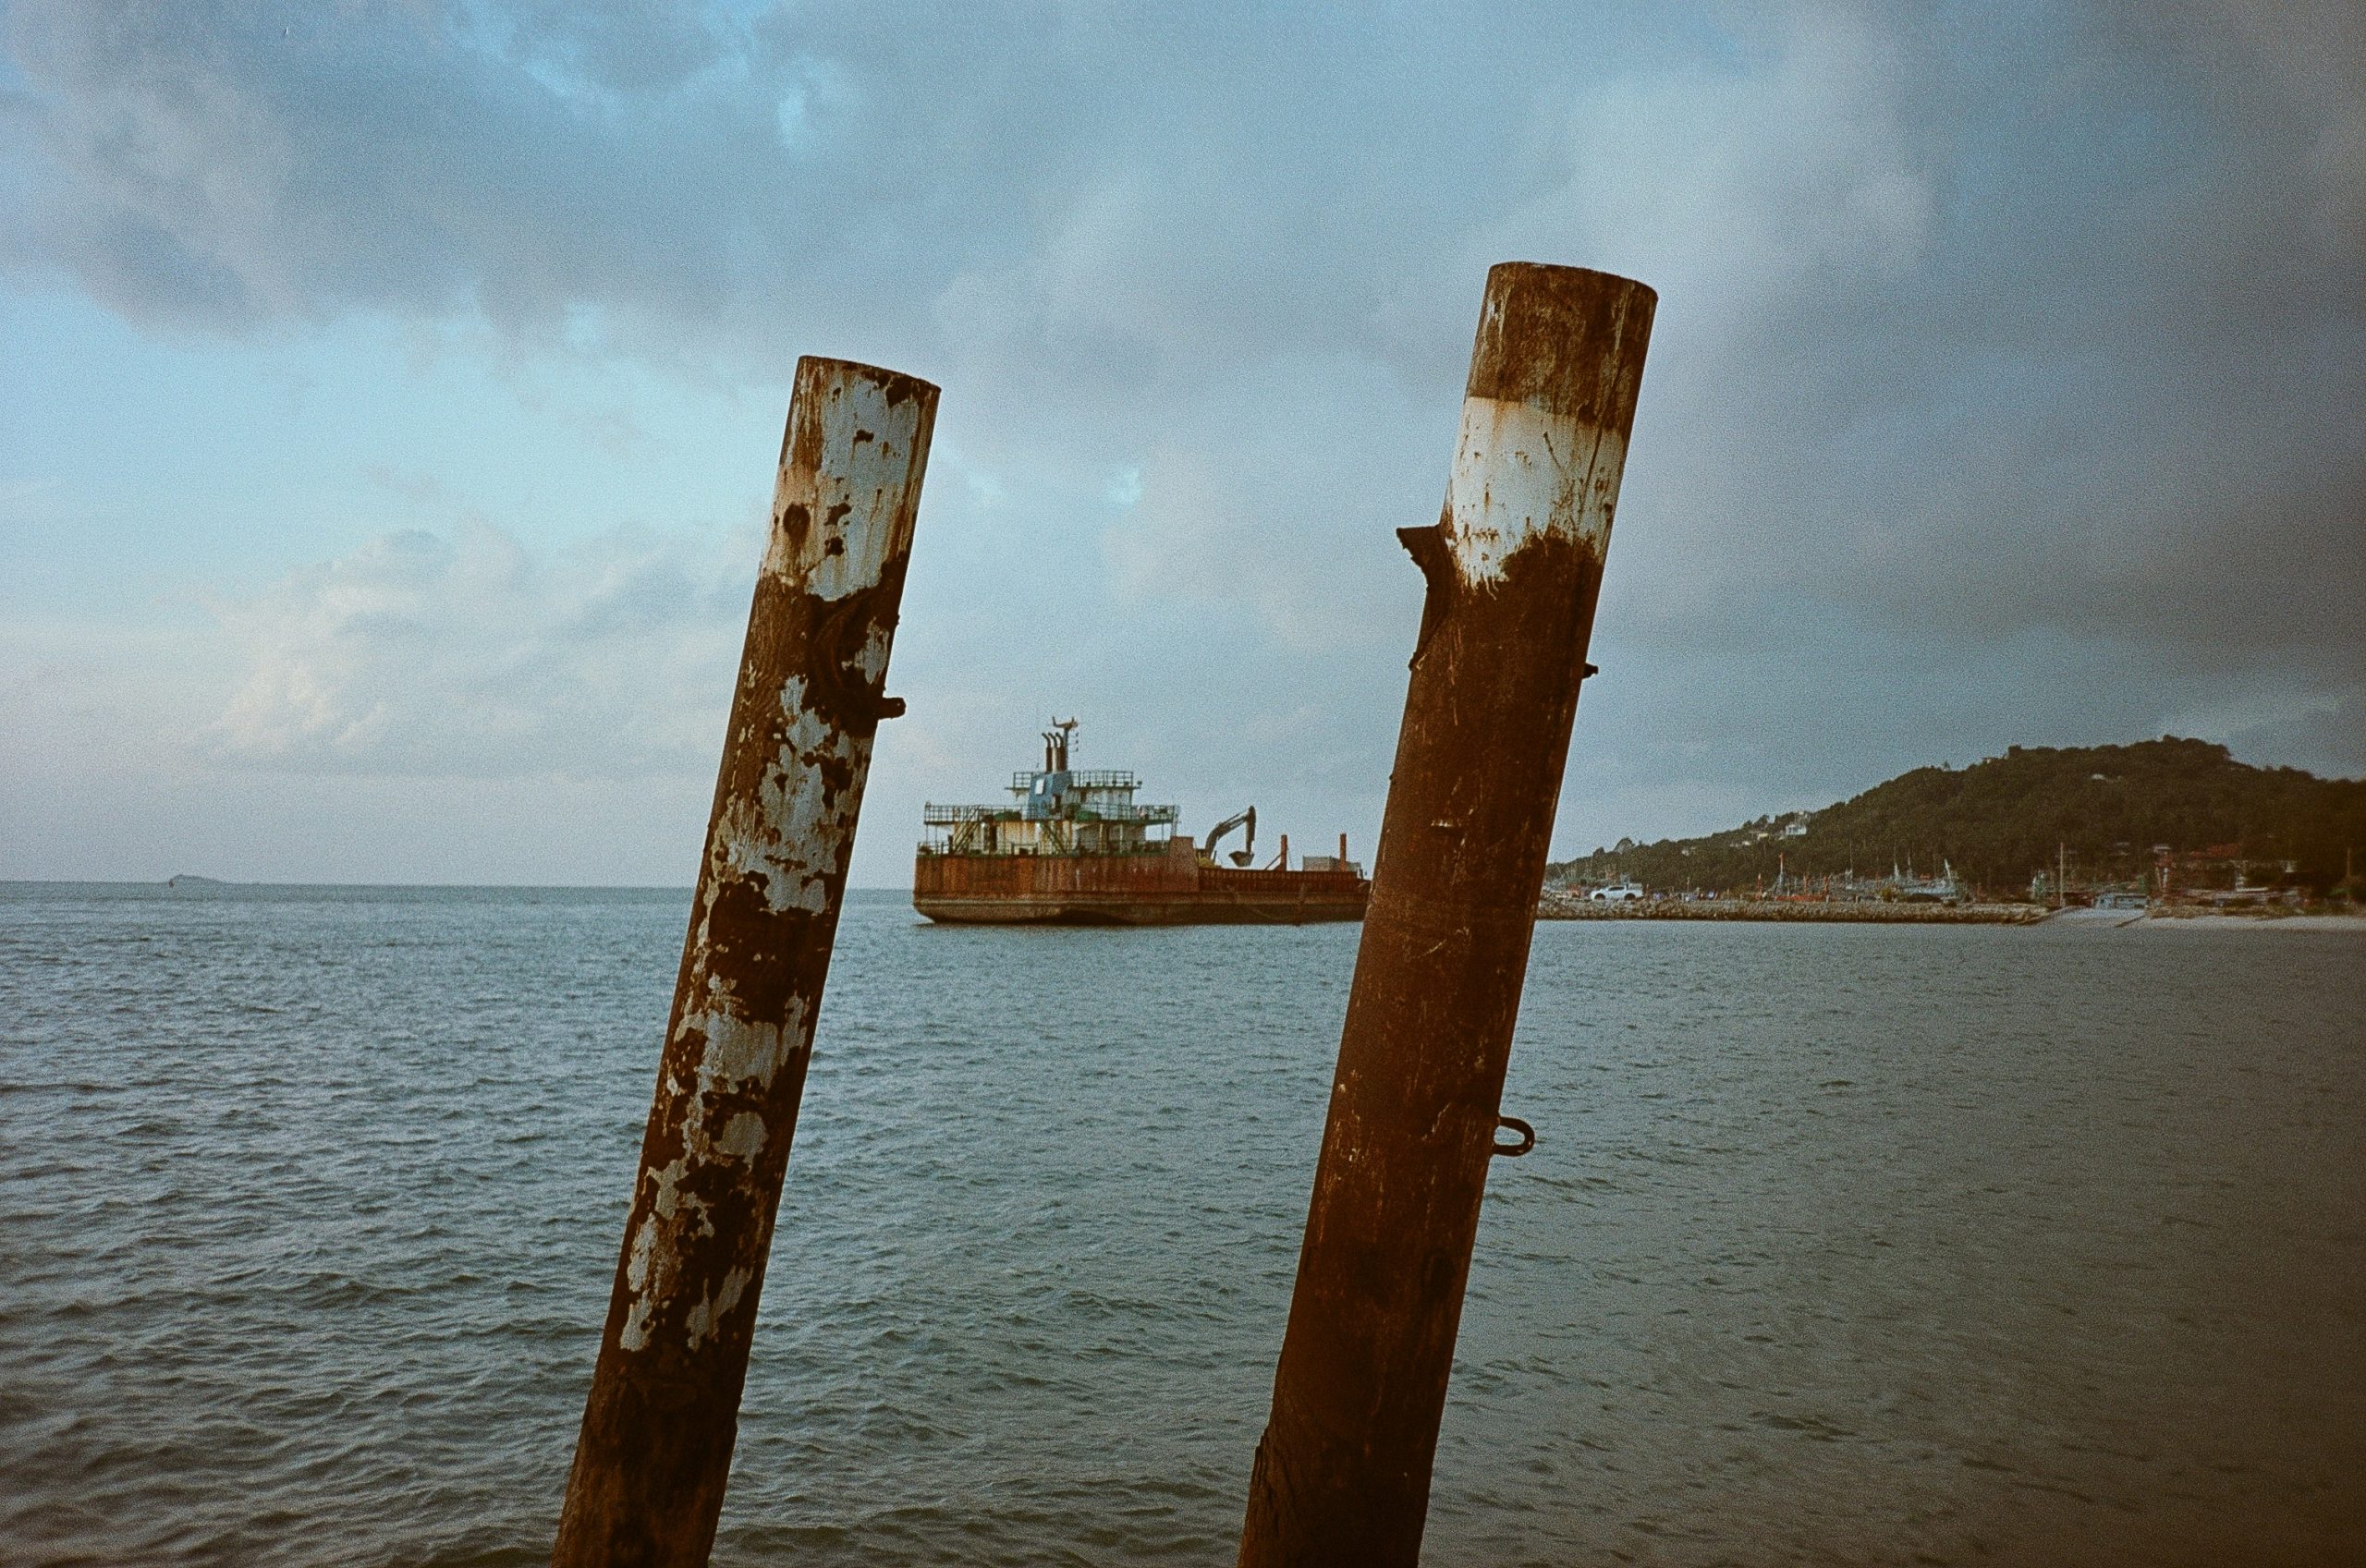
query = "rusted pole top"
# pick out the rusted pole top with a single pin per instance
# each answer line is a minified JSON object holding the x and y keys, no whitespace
{"x":1514,"y":565}
{"x":655,"y":1446}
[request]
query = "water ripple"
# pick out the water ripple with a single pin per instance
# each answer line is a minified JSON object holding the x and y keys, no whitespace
{"x":1838,"y":1244}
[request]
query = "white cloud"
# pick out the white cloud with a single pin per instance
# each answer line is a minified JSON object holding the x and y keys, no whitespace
{"x":469,"y":655}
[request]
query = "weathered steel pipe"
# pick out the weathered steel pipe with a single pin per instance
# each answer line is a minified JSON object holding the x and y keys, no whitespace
{"x":655,"y":1446}
{"x":1513,"y":566}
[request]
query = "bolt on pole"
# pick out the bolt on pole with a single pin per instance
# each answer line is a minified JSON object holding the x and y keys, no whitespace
{"x":1513,"y":567}
{"x":655,"y":1445}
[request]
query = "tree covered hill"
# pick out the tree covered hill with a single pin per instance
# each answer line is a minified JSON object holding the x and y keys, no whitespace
{"x":2000,"y":822}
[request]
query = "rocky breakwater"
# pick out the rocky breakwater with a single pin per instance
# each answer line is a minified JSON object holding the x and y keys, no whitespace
{"x":1558,"y":905}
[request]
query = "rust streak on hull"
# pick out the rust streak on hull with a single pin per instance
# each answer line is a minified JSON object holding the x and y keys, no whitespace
{"x":1213,"y":911}
{"x":1126,"y":890}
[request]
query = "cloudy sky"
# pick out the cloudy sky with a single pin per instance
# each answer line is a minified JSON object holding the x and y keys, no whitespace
{"x":391,"y":391}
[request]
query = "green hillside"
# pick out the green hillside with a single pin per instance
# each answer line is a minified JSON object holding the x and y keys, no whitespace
{"x":1999,"y":822}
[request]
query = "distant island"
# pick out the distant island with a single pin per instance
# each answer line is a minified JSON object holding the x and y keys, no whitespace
{"x":2162,"y":819}
{"x":189,"y":879}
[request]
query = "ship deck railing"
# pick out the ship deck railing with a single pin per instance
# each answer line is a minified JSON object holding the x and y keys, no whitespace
{"x":1081,"y":778}
{"x":935,"y":815}
{"x":1048,"y":852}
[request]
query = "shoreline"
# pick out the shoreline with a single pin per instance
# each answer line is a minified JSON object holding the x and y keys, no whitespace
{"x":1561,"y":907}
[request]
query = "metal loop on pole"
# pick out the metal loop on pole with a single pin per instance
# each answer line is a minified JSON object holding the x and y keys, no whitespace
{"x":1527,"y":1137}
{"x":859,"y":705}
{"x":1427,"y":547}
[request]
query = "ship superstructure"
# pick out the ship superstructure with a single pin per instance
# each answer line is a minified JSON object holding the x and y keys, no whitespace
{"x":1055,"y":810}
{"x":1073,"y":846}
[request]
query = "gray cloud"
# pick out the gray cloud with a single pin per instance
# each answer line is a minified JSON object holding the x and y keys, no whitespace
{"x":2007,"y":368}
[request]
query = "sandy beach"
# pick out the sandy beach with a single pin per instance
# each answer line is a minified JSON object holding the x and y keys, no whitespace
{"x":2355,"y":924}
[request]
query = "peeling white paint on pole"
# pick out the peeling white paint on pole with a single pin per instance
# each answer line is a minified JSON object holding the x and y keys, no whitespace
{"x":1541,"y":446}
{"x":657,"y":1428}
{"x":1519,"y":471}
{"x":872,"y":443}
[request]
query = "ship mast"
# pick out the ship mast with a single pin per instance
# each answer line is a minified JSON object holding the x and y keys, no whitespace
{"x":1056,"y":744}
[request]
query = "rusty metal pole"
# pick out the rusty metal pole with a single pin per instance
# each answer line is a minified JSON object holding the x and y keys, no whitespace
{"x":655,"y":1446}
{"x":1513,"y":566}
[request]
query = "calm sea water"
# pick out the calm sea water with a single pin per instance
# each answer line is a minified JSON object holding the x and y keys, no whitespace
{"x":1839,"y":1244}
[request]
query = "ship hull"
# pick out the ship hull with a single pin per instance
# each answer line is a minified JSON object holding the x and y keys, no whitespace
{"x":1134,"y":912}
{"x":1130,"y":889}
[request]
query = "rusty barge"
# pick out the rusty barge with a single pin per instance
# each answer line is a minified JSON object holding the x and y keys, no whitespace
{"x":1073,"y":847}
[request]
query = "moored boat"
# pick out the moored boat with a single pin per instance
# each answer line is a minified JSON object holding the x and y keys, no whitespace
{"x":1073,"y":846}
